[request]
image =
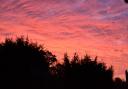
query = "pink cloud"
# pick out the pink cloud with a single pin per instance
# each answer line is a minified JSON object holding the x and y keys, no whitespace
{"x":98,"y":27}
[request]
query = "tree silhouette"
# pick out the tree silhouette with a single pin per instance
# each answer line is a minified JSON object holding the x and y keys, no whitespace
{"x":24,"y":63}
{"x":85,"y":73}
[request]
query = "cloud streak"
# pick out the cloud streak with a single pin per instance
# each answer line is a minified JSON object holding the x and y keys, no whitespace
{"x":98,"y":27}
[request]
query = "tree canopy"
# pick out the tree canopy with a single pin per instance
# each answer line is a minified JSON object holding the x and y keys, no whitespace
{"x":24,"y":64}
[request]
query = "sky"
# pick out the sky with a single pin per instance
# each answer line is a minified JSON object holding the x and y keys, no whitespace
{"x":96,"y":27}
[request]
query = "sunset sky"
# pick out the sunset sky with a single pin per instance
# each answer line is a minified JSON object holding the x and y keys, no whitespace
{"x":96,"y":27}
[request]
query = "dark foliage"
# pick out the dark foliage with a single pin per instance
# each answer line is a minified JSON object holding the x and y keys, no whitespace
{"x":24,"y":64}
{"x":126,"y":1}
{"x":27,"y":65}
{"x":120,"y":84}
{"x":84,"y":73}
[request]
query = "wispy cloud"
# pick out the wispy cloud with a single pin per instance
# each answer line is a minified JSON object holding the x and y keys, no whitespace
{"x":98,"y":27}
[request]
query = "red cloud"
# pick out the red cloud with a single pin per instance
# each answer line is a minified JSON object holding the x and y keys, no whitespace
{"x":71,"y":26}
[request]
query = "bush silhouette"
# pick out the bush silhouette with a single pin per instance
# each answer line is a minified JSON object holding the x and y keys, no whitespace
{"x":24,"y":63}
